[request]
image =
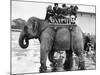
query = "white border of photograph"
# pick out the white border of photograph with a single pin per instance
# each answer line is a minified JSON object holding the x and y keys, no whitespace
{"x":5,"y":37}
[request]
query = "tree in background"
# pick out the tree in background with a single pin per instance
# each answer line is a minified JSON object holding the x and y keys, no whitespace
{"x":18,"y":23}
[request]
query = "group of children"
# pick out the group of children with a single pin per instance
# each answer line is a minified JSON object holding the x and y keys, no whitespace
{"x":64,"y":14}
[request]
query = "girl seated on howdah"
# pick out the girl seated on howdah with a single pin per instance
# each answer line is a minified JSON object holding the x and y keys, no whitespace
{"x":65,"y":14}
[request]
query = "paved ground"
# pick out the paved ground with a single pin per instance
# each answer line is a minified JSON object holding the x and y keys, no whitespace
{"x":28,"y":60}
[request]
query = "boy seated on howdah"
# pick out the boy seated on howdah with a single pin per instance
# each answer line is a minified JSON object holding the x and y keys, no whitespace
{"x":63,"y":15}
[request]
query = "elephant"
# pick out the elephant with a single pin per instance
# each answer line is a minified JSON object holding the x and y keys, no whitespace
{"x":38,"y":29}
{"x":51,"y":40}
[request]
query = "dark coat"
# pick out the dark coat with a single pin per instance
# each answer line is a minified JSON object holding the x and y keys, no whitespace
{"x":87,"y":40}
{"x":57,"y":11}
{"x":49,"y":13}
{"x":64,"y":11}
{"x":74,"y":11}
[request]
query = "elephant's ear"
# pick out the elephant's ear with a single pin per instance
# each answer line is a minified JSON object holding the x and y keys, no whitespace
{"x":35,"y":26}
{"x":25,"y":29}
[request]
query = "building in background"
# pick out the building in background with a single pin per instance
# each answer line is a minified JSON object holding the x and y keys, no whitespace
{"x":87,"y":20}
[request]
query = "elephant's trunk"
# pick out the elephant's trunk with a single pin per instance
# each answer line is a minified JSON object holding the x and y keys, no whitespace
{"x":23,"y":41}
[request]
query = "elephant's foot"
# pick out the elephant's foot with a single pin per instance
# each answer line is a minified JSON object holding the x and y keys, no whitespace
{"x":68,"y":64}
{"x":42,"y":69}
{"x":81,"y":66}
{"x":53,"y":69}
{"x":57,"y":68}
{"x":53,"y":64}
{"x":68,"y":67}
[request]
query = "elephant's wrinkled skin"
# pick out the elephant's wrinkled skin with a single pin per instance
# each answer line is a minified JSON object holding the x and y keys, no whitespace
{"x":51,"y":40}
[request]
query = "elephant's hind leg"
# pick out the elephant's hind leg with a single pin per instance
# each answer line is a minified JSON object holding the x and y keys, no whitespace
{"x":81,"y":65}
{"x":78,"y":46}
{"x":69,"y":61}
{"x":78,"y":50}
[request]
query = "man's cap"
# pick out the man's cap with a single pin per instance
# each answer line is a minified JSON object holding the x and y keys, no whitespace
{"x":63,"y":5}
{"x":71,"y":6}
{"x":49,"y":7}
{"x":55,"y":4}
{"x":76,"y":6}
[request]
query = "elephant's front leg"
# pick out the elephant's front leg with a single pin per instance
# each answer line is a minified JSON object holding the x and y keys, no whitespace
{"x":46,"y":45}
{"x":43,"y":57}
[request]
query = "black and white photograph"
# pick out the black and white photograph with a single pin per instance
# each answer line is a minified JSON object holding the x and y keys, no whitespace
{"x":52,"y":37}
